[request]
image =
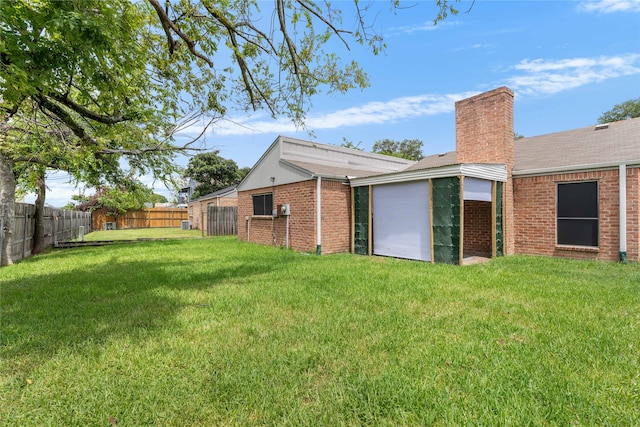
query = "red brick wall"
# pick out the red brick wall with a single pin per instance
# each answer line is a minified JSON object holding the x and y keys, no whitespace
{"x":484,"y":134}
{"x":477,"y":227}
{"x":301,"y":196}
{"x":535,"y":215}
{"x":336,"y":217}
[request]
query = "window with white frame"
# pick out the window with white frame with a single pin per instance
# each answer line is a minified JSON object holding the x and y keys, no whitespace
{"x":577,"y":213}
{"x":263,"y":204}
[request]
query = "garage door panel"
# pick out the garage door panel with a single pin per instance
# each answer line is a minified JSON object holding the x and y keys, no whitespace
{"x":401,"y":220}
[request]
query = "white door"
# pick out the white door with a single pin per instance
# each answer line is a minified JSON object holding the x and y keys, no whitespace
{"x":401,"y":220}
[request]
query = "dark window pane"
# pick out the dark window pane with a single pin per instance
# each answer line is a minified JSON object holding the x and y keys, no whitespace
{"x":263,"y":204}
{"x":578,"y":200}
{"x":580,"y":232}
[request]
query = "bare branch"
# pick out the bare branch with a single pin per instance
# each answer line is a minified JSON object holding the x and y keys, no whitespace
{"x":168,"y":24}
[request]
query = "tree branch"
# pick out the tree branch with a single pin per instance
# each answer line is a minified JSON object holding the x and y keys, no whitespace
{"x":66,"y":118}
{"x":87,"y":113}
{"x":168,"y":24}
{"x":333,"y":28}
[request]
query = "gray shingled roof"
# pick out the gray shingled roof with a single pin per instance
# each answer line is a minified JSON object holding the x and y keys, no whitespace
{"x":435,"y":161}
{"x":617,"y":142}
{"x":215,"y":194}
{"x":336,"y":171}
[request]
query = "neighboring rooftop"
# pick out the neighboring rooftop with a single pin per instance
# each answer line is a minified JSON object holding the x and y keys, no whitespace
{"x":220,"y":193}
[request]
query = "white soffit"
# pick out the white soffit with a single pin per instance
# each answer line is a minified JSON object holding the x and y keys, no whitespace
{"x":490,"y":172}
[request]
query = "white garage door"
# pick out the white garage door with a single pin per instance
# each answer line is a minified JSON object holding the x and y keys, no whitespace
{"x":401,"y":220}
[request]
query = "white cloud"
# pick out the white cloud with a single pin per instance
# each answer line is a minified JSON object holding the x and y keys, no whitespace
{"x":372,"y":113}
{"x":419,"y":28}
{"x":609,"y":6}
{"x":532,"y":77}
{"x":545,"y":77}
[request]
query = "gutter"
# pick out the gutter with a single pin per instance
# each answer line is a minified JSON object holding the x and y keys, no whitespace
{"x":574,"y":168}
{"x":623,"y":212}
{"x":319,"y":215}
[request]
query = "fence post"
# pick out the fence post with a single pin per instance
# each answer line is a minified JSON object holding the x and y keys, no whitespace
{"x":24,"y":232}
{"x":1,"y":232}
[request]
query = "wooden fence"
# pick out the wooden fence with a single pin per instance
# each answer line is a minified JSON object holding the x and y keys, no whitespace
{"x":59,"y":225}
{"x":148,"y":218}
{"x":222,"y":220}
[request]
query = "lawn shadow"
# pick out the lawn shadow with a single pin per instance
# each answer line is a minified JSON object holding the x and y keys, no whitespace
{"x":47,"y":312}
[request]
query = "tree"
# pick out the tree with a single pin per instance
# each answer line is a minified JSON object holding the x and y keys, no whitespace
{"x":212,"y":173}
{"x":129,"y":196}
{"x":626,"y":110}
{"x":410,"y":149}
{"x":87,"y":86}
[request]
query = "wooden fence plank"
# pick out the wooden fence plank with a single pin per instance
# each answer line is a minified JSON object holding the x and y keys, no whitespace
{"x":222,"y":220}
{"x":59,"y":225}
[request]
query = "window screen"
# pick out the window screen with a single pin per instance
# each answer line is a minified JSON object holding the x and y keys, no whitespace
{"x":577,"y":213}
{"x":263,"y":204}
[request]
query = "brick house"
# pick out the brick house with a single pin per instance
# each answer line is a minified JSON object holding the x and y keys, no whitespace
{"x":577,"y":193}
{"x":198,"y":208}
{"x":312,"y":180}
{"x":558,"y":194}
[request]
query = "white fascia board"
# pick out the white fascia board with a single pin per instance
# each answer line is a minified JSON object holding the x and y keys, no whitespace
{"x":575,"y":168}
{"x":492,"y":172}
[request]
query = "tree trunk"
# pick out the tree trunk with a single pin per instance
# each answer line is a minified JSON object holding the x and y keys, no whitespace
{"x":38,"y":233}
{"x":8,"y":205}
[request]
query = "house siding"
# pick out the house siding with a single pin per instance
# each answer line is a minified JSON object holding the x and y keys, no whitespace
{"x":301,"y":197}
{"x":535,"y":215}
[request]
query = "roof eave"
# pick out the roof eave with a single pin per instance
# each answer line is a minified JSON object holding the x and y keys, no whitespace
{"x":574,"y":168}
{"x":491,"y":172}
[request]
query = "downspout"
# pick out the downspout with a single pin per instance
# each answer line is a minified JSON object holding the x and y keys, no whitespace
{"x":318,"y":217}
{"x":623,"y":212}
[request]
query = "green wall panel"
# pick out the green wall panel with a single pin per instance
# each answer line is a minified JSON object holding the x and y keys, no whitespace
{"x":499,"y":220}
{"x":361,"y":220}
{"x":446,"y":220}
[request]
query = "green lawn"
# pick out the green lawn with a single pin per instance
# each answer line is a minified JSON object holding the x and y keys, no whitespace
{"x":208,"y":332}
{"x":141,"y":233}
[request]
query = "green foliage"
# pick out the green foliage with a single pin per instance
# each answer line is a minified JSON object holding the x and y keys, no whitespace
{"x":410,"y":149}
{"x":350,"y":144}
{"x":626,"y":110}
{"x":212,"y":331}
{"x":129,"y":196}
{"x":212,"y":173}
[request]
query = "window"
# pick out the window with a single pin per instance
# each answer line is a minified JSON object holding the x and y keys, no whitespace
{"x":263,"y":204}
{"x":577,"y":213}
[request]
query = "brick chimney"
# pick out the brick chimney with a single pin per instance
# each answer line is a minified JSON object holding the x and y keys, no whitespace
{"x":484,"y":134}
{"x":484,"y":128}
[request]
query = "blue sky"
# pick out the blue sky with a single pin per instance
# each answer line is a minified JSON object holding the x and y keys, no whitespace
{"x":566,"y":61}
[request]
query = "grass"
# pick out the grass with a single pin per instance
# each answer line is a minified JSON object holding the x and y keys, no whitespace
{"x":141,"y":233}
{"x":217,"y":332}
